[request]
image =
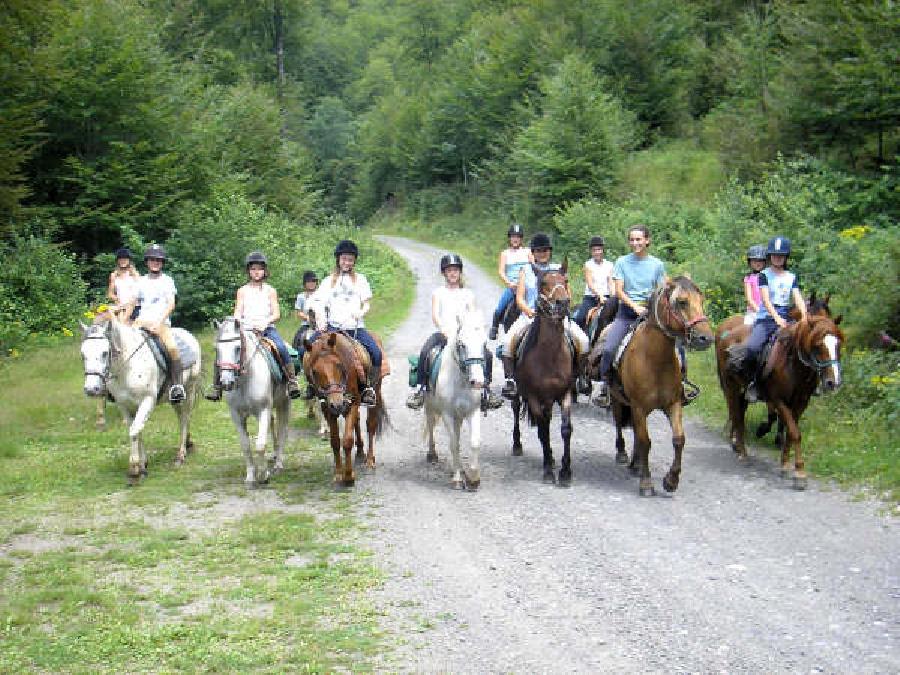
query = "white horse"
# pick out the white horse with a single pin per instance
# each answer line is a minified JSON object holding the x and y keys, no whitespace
{"x":118,"y":359}
{"x":251,"y":390}
{"x":456,"y":396}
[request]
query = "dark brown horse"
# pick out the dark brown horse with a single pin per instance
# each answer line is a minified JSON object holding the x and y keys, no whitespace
{"x":805,"y":354}
{"x":649,"y":375}
{"x":545,"y":374}
{"x":732,"y":331}
{"x":334,"y":366}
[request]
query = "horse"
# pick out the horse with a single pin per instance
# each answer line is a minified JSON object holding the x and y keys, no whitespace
{"x":545,"y":372}
{"x":251,"y":390}
{"x":313,"y":409}
{"x":648,"y":377}
{"x":118,"y":359}
{"x":455,"y":396}
{"x":806,"y":354}
{"x":733,"y":330}
{"x":598,"y":318}
{"x":335,"y":370}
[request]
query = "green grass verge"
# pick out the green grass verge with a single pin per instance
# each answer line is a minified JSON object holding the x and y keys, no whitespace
{"x":188,"y":571}
{"x":850,"y":437}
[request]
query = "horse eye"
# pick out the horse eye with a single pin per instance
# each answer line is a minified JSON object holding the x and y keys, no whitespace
{"x":105,"y":354}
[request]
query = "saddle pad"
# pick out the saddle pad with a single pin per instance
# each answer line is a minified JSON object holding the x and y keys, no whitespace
{"x":620,"y":352}
{"x":435,"y":357}
{"x":520,"y":345}
{"x":188,"y":357}
{"x":267,"y":351}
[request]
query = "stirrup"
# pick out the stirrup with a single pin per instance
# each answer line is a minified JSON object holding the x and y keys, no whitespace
{"x":368,"y":398}
{"x":509,"y":389}
{"x":177,"y":393}
{"x":689,"y":391}
{"x":294,"y":388}
{"x":214,"y":395}
{"x":601,"y":398}
{"x":416,"y":400}
{"x":490,"y":400}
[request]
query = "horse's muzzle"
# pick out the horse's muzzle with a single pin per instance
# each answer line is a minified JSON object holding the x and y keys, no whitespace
{"x":94,"y":390}
{"x":701,"y":342}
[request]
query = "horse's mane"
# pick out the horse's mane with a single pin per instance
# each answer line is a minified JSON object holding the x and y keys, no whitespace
{"x":342,"y":350}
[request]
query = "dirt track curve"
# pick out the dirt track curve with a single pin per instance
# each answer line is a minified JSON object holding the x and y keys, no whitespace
{"x":736,"y":572}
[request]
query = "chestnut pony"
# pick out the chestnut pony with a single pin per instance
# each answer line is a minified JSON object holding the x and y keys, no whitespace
{"x":545,"y":374}
{"x":805,"y":354}
{"x":334,"y":368}
{"x":732,"y":331}
{"x":649,"y":375}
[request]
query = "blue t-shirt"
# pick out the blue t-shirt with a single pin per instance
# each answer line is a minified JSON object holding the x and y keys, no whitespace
{"x":639,"y":275}
{"x":780,"y":288}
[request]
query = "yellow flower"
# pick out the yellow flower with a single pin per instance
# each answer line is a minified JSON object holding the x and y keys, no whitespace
{"x":67,"y":332}
{"x":14,"y":353}
{"x":89,"y":314}
{"x":855,"y":233}
{"x":102,"y":308}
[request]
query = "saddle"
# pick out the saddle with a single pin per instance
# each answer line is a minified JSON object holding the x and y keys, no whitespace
{"x":273,"y":359}
{"x":517,"y":344}
{"x":162,"y":358}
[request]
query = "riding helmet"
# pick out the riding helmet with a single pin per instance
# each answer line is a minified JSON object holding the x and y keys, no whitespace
{"x":779,"y":246}
{"x":309,"y":275}
{"x":757,"y":252}
{"x":515,"y":230}
{"x":256,"y":257}
{"x":597,"y":241}
{"x":123,"y":252}
{"x":155,"y":251}
{"x":540,"y":240}
{"x":346,"y":246}
{"x":451,"y":260}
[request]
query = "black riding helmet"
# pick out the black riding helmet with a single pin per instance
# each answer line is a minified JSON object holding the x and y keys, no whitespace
{"x":597,"y":241}
{"x":155,"y":251}
{"x":123,"y":252}
{"x":309,"y":275}
{"x":540,"y":240}
{"x":256,"y":257}
{"x":451,"y":260}
{"x":779,"y":246}
{"x":346,"y":246}
{"x":515,"y":230}
{"x":756,"y":252}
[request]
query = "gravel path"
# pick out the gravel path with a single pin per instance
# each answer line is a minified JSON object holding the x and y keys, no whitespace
{"x":736,"y":572}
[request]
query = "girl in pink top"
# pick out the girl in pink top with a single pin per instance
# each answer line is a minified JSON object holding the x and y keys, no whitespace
{"x":756,"y":259}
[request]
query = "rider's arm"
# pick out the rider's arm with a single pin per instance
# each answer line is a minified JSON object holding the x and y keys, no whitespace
{"x":435,"y":312}
{"x":111,"y":288}
{"x":238,"y":304}
{"x":589,"y":281}
{"x":620,"y":293}
{"x":501,"y":269}
{"x":799,"y":302}
{"x":767,"y":303}
{"x":520,"y":297}
{"x":273,"y":303}
{"x":748,"y":294}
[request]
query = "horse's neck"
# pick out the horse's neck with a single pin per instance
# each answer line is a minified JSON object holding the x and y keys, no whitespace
{"x":125,"y":339}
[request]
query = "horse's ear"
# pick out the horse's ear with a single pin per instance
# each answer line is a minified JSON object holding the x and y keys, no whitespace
{"x":565,"y":265}
{"x":332,"y":339}
{"x":812,"y":297}
{"x":838,"y":319}
{"x":216,"y":324}
{"x":84,"y":328}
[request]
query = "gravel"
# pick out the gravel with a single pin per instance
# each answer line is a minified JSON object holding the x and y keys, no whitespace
{"x":736,"y":572}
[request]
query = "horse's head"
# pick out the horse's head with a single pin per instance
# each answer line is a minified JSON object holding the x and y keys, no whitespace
{"x":678,"y":310}
{"x":328,"y":373}
{"x":468,"y":349}
{"x":553,"y":293}
{"x":816,"y":306}
{"x":96,"y":353}
{"x":229,"y":347}
{"x":819,"y":347}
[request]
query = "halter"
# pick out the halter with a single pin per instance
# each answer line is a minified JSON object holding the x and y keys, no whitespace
{"x":678,"y":317}
{"x":546,"y":303}
{"x":99,"y":333}
{"x":813,"y":362}
{"x":465,"y":362}
{"x":240,"y":367}
{"x":334,"y":387}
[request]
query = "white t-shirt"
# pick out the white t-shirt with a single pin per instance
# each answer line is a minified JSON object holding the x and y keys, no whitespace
{"x":154,"y":295}
{"x":257,"y":307}
{"x":600,"y":275}
{"x":452,"y":303}
{"x":342,"y":300}
{"x":126,"y":288}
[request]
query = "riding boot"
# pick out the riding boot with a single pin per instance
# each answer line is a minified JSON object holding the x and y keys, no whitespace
{"x":176,"y":391}
{"x":416,"y":400}
{"x":509,"y":387}
{"x":215,"y":394}
{"x":495,"y":325}
{"x":293,"y":387}
{"x":368,"y":397}
{"x":737,"y":359}
{"x":582,"y":382}
{"x":601,"y":397}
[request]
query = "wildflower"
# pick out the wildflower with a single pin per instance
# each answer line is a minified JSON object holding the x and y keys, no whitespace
{"x":855,"y":233}
{"x":89,"y":314}
{"x":67,"y":332}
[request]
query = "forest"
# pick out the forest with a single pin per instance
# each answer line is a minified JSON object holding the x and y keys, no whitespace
{"x":220,"y":126}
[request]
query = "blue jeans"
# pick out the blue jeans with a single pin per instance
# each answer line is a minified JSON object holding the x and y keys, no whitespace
{"x":587,"y":304}
{"x":506,"y":297}
{"x":273,"y":335}
{"x":364,"y":338}
{"x":625,"y":316}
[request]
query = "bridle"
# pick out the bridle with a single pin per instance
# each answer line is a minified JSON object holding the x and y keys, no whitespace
{"x":686,"y":327}
{"x":813,"y":362}
{"x":461,"y":355}
{"x":99,"y":332}
{"x":239,"y":366}
{"x":550,"y":307}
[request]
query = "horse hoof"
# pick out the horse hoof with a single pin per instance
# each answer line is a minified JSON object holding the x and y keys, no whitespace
{"x":669,"y":485}
{"x":786,"y":472}
{"x":250,"y":484}
{"x":621,"y":457}
{"x":647,"y":491}
{"x":101,"y":426}
{"x":517,"y":451}
{"x":564,"y":481}
{"x":800,"y":483}
{"x":549,"y":478}
{"x":348,"y":482}
{"x":633,"y":470}
{"x":457,"y":484}
{"x":431,"y":457}
{"x":473,"y":485}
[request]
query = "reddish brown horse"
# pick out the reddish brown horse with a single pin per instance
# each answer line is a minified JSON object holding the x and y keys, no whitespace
{"x":649,"y":375}
{"x":805,"y":355}
{"x":732,"y":331}
{"x":545,"y":373}
{"x":334,"y":367}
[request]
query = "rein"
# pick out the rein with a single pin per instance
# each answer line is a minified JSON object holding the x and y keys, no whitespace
{"x":687,"y":327}
{"x":241,"y":367}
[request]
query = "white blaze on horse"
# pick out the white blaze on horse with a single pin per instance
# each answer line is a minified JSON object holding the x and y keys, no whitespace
{"x":455,"y":397}
{"x":119,"y":359}
{"x":252,"y":390}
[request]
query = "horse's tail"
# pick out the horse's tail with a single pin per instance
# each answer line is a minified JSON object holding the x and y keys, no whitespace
{"x":382,"y":419}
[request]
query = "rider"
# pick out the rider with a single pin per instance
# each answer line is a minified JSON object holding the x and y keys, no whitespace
{"x":449,"y":303}
{"x":511,"y":261}
{"x":526,"y":298}
{"x":344,"y":300}
{"x":597,"y":281}
{"x":635,"y":275}
{"x":756,"y":259}
{"x":301,"y":309}
{"x":123,"y":282}
{"x":155,"y":299}
{"x":777,"y":288}
{"x":257,"y":308}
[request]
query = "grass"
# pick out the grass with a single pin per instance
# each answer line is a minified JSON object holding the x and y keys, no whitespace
{"x":188,"y":571}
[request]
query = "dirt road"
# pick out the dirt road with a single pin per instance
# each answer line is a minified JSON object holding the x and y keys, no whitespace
{"x":736,"y":572}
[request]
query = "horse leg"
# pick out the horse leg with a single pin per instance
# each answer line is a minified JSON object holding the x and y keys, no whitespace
{"x":621,"y":455}
{"x":765,"y":427}
{"x":137,"y":462}
{"x":335,"y":436}
{"x":792,"y":441}
{"x":320,"y":416}
{"x":360,"y":446}
{"x":100,"y":422}
{"x":264,"y":421}
{"x":351,"y":420}
{"x":641,"y":457}
{"x":671,"y":479}
{"x":453,"y":424}
{"x":282,"y":417}
{"x":565,"y":469}
{"x":371,"y":428}
{"x":473,"y":473}
{"x":184,"y":422}
{"x":543,"y":429}
{"x":516,"y":405}
{"x":240,"y":425}
{"x":430,"y":421}
{"x":737,"y":410}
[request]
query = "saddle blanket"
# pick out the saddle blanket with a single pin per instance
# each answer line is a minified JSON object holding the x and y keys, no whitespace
{"x":188,"y":356}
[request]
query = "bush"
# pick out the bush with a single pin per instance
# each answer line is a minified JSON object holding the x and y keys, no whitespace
{"x":40,"y":290}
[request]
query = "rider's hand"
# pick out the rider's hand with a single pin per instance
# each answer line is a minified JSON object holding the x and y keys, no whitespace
{"x":640,"y":311}
{"x":781,"y":323}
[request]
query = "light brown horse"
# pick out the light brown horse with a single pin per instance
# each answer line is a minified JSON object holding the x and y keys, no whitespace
{"x":649,"y":375}
{"x":805,"y":354}
{"x":732,"y":331}
{"x":545,"y":374}
{"x":334,"y":368}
